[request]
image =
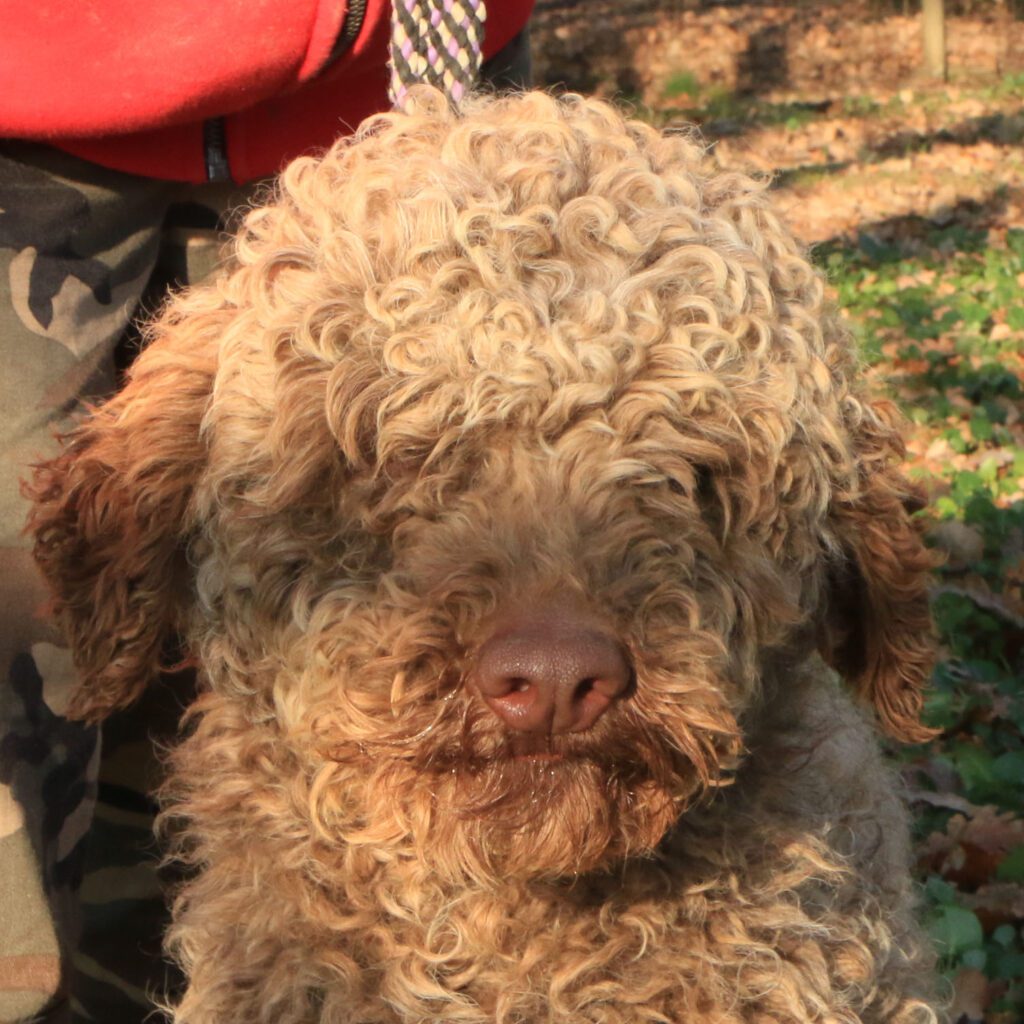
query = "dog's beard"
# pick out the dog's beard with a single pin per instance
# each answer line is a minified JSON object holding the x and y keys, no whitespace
{"x":492,"y":807}
{"x":551,"y":819}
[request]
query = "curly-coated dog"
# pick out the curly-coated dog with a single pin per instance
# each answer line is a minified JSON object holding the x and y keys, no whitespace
{"x":513,"y":489}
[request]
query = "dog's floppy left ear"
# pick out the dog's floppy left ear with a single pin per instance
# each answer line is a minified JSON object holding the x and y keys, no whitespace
{"x":879,"y":630}
{"x":110,"y":518}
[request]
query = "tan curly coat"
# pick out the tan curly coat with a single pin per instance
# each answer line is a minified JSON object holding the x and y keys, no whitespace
{"x":530,"y":356}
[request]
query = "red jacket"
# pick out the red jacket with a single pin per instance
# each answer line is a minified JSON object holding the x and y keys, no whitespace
{"x":155,"y":86}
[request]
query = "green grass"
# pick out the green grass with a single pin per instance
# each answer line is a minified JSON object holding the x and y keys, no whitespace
{"x":686,"y":95}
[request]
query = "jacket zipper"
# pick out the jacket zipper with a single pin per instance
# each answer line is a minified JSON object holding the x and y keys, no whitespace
{"x":215,"y":149}
{"x":354,"y":17}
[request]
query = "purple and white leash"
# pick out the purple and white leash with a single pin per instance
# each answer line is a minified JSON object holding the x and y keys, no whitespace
{"x":437,"y":42}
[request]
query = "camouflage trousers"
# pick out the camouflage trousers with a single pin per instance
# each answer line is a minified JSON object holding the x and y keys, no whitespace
{"x":83,"y":251}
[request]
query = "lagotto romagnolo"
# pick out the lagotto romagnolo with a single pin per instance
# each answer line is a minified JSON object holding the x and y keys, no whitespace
{"x":546,"y":563}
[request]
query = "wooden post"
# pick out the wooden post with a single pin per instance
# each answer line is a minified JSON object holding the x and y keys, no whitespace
{"x":933,"y":26}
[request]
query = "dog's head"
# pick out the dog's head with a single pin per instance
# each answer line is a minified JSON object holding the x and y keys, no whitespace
{"x":513,"y":453}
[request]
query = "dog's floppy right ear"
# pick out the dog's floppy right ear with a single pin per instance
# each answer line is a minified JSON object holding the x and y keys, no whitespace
{"x":110,"y":516}
{"x":880,"y":635}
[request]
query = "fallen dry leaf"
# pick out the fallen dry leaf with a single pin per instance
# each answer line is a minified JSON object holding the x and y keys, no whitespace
{"x":972,"y":848}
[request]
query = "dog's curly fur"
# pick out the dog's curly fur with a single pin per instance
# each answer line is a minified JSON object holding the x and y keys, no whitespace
{"x":530,"y":352}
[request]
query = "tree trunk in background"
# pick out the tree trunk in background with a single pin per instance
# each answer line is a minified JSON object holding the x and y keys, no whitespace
{"x":933,"y":23}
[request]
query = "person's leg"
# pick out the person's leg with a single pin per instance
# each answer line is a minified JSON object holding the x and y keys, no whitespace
{"x":77,"y":246}
{"x":118,"y":967}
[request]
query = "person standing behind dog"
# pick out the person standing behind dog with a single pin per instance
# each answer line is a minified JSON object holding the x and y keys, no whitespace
{"x":131,"y":134}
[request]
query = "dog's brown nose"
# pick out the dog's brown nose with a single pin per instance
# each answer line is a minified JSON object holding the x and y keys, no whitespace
{"x":550,"y":675}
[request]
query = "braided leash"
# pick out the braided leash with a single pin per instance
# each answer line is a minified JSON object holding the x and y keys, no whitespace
{"x":438,"y":42}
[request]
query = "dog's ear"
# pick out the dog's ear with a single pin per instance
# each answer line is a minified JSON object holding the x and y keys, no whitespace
{"x":879,"y":634}
{"x":110,"y":517}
